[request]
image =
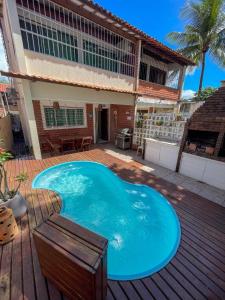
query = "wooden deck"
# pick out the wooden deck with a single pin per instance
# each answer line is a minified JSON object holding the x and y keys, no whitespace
{"x":196,"y":272}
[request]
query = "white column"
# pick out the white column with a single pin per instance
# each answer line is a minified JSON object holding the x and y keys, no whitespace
{"x":18,"y":64}
{"x":138,"y":58}
{"x":29,"y":115}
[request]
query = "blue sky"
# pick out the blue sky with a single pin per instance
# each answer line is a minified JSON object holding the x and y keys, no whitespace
{"x":156,"y":18}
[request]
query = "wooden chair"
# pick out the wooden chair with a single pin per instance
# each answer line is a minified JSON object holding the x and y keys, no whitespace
{"x":86,"y":142}
{"x":55,"y":148}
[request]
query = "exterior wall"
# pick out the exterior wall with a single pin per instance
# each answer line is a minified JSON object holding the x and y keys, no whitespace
{"x":54,"y":134}
{"x":162,"y":153}
{"x":48,"y":91}
{"x":158,"y":91}
{"x":121,"y":116}
{"x":49,"y":66}
{"x":206,"y":170}
{"x":6,"y":133}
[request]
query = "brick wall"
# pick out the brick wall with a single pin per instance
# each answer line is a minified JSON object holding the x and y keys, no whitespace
{"x":158,"y":91}
{"x":54,"y":134}
{"x":124,"y":118}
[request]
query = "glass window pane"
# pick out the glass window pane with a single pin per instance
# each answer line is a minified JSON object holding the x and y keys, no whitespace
{"x":71,"y":117}
{"x":49,"y":117}
{"x":24,"y":38}
{"x":79,"y":112}
{"x":60,"y":117}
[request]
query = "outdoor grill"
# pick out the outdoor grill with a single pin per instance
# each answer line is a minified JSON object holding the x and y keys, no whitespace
{"x":123,"y":138}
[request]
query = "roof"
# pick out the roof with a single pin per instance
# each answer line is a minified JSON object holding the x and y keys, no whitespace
{"x":65,"y":82}
{"x":118,"y":23}
{"x":3,"y":87}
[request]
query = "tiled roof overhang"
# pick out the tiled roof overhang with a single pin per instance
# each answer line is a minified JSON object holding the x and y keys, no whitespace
{"x":96,"y":11}
{"x":65,"y":82}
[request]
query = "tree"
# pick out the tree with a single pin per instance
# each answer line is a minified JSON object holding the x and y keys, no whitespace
{"x":204,"y":94}
{"x":204,"y":33}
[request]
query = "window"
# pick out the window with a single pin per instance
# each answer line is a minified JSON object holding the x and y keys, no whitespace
{"x":157,"y":76}
{"x":49,"y":28}
{"x":42,"y":39}
{"x":96,"y":56}
{"x":64,"y":117}
{"x":143,"y":71}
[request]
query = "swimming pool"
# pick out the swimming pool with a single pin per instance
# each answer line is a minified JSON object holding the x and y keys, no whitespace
{"x":141,"y":226}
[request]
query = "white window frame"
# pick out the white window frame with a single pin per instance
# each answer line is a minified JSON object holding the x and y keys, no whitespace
{"x":66,"y":105}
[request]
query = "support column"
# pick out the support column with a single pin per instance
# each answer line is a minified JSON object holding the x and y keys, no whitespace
{"x":219,"y":141}
{"x":15,"y":52}
{"x":28,"y":110}
{"x":137,"y":64}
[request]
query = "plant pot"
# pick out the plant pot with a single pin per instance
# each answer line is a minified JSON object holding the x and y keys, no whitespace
{"x":18,"y":205}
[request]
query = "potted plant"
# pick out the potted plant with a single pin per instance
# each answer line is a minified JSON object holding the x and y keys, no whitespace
{"x":11,"y":198}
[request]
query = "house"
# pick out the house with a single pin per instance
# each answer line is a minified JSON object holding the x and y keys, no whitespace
{"x":80,"y":70}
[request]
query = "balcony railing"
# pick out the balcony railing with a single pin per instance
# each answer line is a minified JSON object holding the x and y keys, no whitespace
{"x":51,"y":29}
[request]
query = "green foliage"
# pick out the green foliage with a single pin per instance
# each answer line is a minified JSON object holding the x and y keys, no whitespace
{"x":21,"y":177}
{"x":139,"y":123}
{"x":4,"y":156}
{"x":5,"y":192}
{"x":204,"y":94}
{"x":204,"y":32}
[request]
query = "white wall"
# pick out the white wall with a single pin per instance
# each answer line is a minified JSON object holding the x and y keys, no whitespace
{"x":47,"y":91}
{"x":203,"y":169}
{"x":46,"y":65}
{"x":162,"y":153}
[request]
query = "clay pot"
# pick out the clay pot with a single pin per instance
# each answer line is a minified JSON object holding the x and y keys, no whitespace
{"x":8,"y":226}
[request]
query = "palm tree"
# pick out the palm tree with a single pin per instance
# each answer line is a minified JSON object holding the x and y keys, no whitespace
{"x":204,"y":33}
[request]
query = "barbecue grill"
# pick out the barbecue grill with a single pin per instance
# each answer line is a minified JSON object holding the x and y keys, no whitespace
{"x":123,"y":138}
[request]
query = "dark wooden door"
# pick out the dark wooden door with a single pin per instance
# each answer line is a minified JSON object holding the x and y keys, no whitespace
{"x":104,"y":124}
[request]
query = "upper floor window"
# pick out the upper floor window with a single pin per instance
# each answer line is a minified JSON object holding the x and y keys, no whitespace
{"x":49,"y":28}
{"x":143,"y":71}
{"x":157,"y":76}
{"x":50,"y":41}
{"x":96,"y":56}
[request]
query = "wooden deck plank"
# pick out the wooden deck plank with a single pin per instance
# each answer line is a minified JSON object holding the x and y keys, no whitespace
{"x":16,"y":278}
{"x":196,"y":272}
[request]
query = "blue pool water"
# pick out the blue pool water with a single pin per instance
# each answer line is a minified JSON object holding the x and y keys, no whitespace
{"x":141,"y":226}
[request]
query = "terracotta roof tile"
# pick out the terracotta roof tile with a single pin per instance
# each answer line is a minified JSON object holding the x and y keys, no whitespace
{"x":65,"y":82}
{"x":3,"y":87}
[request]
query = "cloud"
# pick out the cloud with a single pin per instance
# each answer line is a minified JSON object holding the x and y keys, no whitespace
{"x":3,"y":61}
{"x":188,"y":94}
{"x":191,"y":70}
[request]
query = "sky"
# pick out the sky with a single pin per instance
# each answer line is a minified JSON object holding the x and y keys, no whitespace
{"x":156,"y":18}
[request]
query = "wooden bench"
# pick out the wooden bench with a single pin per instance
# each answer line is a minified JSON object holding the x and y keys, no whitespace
{"x":73,"y":258}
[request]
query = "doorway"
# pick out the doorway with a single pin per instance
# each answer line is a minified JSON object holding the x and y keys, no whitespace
{"x":103,"y":128}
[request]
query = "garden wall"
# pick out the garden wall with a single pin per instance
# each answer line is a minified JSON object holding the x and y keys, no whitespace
{"x":6,"y":133}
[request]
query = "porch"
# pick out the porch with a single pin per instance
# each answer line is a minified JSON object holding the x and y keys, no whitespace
{"x":197,"y":271}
